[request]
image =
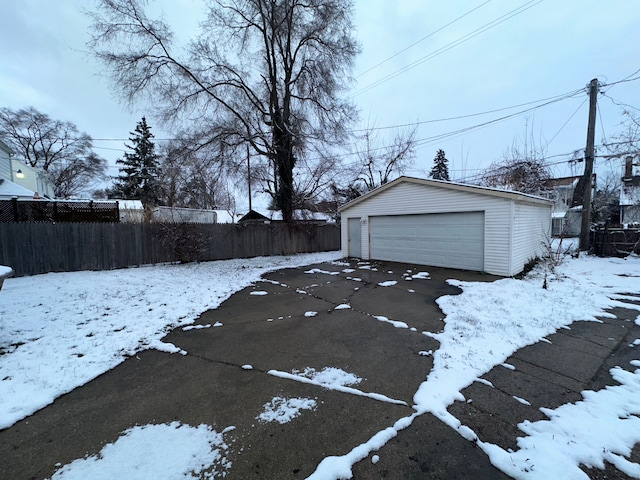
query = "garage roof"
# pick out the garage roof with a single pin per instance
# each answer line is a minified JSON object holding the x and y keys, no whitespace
{"x":494,"y":192}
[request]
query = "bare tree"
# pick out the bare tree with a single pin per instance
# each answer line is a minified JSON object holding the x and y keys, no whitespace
{"x":523,"y":168}
{"x":606,"y":201}
{"x":627,"y":142}
{"x":521,"y":175}
{"x":196,"y":177}
{"x":54,"y":146}
{"x":379,"y":162}
{"x":267,"y":72}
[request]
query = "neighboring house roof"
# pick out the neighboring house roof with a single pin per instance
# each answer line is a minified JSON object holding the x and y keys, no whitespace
{"x":8,"y":189}
{"x":562,"y":182}
{"x":253,"y":215}
{"x":494,"y":192}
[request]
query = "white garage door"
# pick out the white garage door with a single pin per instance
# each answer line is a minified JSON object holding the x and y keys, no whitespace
{"x":452,"y":240}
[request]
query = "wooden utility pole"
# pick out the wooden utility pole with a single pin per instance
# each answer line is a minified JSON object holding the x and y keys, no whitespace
{"x":589,"y":153}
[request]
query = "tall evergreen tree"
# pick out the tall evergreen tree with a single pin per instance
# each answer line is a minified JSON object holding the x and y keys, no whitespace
{"x":440,"y":170}
{"x":139,"y":171}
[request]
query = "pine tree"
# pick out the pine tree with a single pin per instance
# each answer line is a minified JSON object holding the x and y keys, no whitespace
{"x":440,"y":170}
{"x":139,"y":171}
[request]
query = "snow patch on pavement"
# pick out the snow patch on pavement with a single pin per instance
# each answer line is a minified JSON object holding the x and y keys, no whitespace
{"x":283,"y":410}
{"x":395,"y":323}
{"x":196,"y":327}
{"x":337,"y":386}
{"x":155,"y":451}
{"x":319,"y":270}
{"x":329,"y":376}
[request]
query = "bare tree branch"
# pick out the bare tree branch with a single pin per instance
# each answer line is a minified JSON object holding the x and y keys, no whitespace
{"x":56,"y":147}
{"x":266,"y":72}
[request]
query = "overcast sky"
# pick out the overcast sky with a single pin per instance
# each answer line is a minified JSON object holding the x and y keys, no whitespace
{"x":420,"y":62}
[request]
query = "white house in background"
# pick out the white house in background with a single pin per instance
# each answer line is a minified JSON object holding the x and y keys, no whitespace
{"x":446,"y":224}
{"x":5,"y":161}
{"x":33,"y":179}
{"x":130,"y":211}
{"x":21,"y":180}
{"x":8,"y":188}
{"x":630,"y":194}
{"x":184,"y":215}
{"x":565,"y":219}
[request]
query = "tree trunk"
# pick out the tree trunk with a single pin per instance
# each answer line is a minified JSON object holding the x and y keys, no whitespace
{"x":285,"y":162}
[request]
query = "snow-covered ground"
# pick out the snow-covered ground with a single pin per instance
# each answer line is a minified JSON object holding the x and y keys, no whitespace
{"x":59,"y":331}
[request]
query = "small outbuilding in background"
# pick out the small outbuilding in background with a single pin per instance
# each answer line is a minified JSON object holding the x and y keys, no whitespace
{"x":446,"y":224}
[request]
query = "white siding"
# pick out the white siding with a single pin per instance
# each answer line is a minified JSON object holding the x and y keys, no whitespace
{"x":453,"y":240}
{"x":5,"y":164}
{"x":410,"y":198}
{"x":532,"y":227}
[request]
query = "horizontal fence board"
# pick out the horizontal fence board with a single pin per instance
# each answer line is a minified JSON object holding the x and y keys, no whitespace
{"x":31,"y":248}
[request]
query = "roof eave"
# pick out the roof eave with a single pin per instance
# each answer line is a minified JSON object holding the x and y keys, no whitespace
{"x":508,"y":194}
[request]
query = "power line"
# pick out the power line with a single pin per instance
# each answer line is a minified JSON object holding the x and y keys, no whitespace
{"x":604,"y":135}
{"x":460,"y":117}
{"x":565,"y":123}
{"x":422,"y":39}
{"x":619,"y":104}
{"x":624,"y":80}
{"x":486,"y":171}
{"x":552,"y":99}
{"x":427,"y":140}
{"x":422,"y":142}
{"x":449,"y":46}
{"x":490,"y":122}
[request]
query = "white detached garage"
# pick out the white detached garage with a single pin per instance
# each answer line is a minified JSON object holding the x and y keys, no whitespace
{"x":445,"y":224}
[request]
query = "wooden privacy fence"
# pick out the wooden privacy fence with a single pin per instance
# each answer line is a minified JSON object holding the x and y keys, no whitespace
{"x":32,"y":248}
{"x":615,"y":242}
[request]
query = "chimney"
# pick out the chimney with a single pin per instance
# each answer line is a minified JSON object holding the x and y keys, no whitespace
{"x":628,"y":169}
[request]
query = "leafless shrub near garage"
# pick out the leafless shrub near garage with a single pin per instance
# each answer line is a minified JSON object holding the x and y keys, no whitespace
{"x":553,"y":256}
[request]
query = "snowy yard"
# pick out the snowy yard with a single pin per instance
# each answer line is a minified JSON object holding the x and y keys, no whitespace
{"x":59,"y":331}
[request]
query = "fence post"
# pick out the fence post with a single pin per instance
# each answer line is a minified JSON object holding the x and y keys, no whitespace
{"x":14,"y":206}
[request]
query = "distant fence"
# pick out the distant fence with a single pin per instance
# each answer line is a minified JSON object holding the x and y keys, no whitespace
{"x":32,"y":248}
{"x":615,"y":242}
{"x":18,"y":210}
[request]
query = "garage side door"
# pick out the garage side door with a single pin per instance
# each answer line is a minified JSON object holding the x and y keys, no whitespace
{"x":451,"y":240}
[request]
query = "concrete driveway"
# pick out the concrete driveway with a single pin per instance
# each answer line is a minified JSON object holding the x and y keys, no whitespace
{"x":288,"y":323}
